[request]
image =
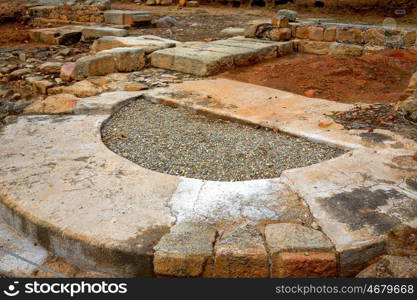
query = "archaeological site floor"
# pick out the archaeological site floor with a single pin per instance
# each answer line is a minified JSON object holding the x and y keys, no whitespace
{"x":137,"y":152}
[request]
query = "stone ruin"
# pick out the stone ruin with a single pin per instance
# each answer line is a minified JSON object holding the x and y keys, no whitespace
{"x":169,"y":210}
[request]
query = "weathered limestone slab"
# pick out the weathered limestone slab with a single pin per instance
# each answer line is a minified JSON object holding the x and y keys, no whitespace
{"x":240,"y":253}
{"x":232,"y":31}
{"x":126,"y":59}
{"x":149,"y":43}
{"x":262,"y":50}
{"x":11,"y":241}
{"x":289,"y":237}
{"x":126,"y":17}
{"x":91,"y":33}
{"x":357,"y":198}
{"x":80,"y":200}
{"x":187,"y":251}
{"x":286,"y":112}
{"x":283,"y":48}
{"x":241,"y":56}
{"x":94,"y":65}
{"x":314,"y":47}
{"x":345,"y":49}
{"x":213,"y":201}
{"x":66,"y":35}
{"x":105,"y":103}
{"x":56,"y":104}
{"x":205,"y":59}
{"x":298,"y":251}
{"x":192,"y":61}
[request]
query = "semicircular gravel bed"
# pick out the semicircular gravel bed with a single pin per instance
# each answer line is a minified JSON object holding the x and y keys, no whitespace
{"x":178,"y":141}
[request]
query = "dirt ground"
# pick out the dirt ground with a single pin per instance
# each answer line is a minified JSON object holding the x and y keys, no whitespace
{"x":377,"y":116}
{"x":372,"y":78}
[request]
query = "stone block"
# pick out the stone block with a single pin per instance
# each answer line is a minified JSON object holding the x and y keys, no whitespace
{"x":351,"y":35}
{"x":345,"y":49}
{"x":67,"y":72}
{"x":280,"y":21}
{"x":192,"y":61}
{"x":302,"y":32}
{"x":232,"y":31}
{"x":65,"y":35}
{"x":280,"y":34}
{"x":148,"y":43}
{"x":330,"y":34}
{"x":95,"y":65}
{"x":42,"y":86}
{"x":50,"y":67}
{"x":292,"y":15}
{"x":298,"y":251}
{"x":92,"y":33}
{"x":314,"y":47}
{"x":316,"y":33}
{"x":240,"y":253}
{"x":187,"y":251}
{"x":127,"y":59}
{"x":374,"y":36}
{"x":126,"y":17}
{"x":251,"y":28}
{"x":409,"y":39}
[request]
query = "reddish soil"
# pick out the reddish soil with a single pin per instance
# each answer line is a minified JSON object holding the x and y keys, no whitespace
{"x":12,"y":34}
{"x":372,"y":78}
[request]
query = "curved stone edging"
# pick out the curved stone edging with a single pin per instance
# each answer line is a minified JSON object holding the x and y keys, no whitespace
{"x":113,"y":228}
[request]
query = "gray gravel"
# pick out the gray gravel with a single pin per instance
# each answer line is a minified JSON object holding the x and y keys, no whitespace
{"x":179,"y":142}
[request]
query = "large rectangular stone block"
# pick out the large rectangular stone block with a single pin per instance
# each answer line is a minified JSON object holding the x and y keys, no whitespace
{"x":66,"y":35}
{"x":110,"y":61}
{"x":95,"y":32}
{"x":192,"y":61}
{"x":149,"y":44}
{"x":127,"y":59}
{"x":241,"y":56}
{"x":94,"y":66}
{"x":313,"y":47}
{"x":126,"y":17}
{"x":187,"y":251}
{"x":345,"y":49}
{"x":299,"y":251}
{"x":240,"y":253}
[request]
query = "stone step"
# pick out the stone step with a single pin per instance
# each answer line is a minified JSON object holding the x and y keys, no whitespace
{"x":95,"y":32}
{"x":127,"y":17}
{"x":13,"y":244}
{"x":65,"y":35}
{"x":149,"y":43}
{"x":205,"y":59}
{"x":193,"y":61}
{"x":124,"y":59}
